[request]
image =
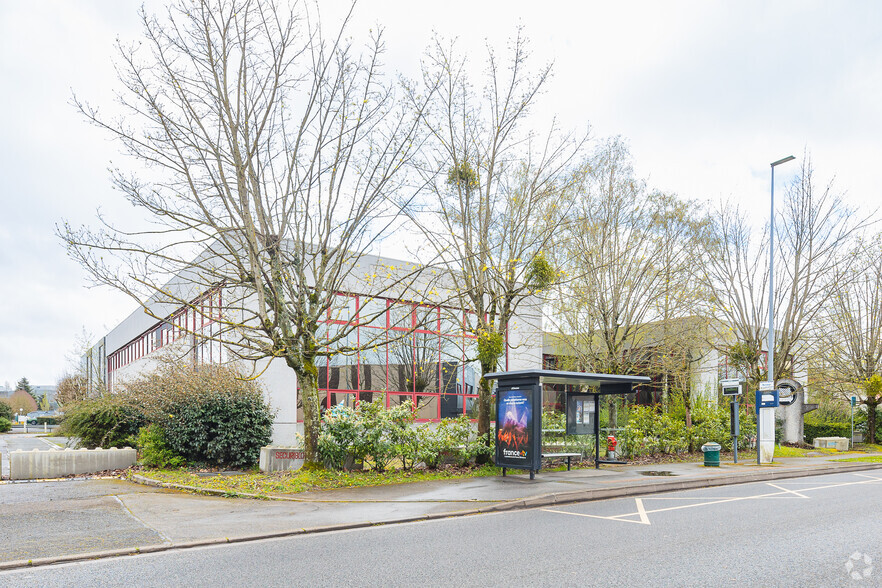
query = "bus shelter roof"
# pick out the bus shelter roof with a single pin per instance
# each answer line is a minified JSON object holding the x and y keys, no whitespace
{"x":606,"y":383}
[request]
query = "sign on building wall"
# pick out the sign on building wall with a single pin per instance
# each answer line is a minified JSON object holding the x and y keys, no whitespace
{"x":518,"y":427}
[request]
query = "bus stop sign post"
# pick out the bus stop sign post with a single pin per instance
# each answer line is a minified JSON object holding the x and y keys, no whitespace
{"x":853,"y":402}
{"x":766,"y":397}
{"x":733,"y":388}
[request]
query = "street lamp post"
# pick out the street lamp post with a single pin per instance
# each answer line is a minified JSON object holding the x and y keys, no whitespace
{"x":771,"y":339}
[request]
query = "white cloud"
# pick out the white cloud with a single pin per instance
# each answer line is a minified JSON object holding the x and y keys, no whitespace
{"x":707,"y":94}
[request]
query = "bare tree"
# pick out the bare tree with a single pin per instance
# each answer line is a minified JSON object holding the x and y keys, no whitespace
{"x":634,"y":251}
{"x":848,"y":334}
{"x":815,"y":226}
{"x":270,"y":152}
{"x":495,"y":192}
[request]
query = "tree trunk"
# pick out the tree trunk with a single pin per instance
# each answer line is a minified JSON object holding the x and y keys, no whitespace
{"x":307,"y":377}
{"x":484,"y":399}
{"x":687,"y":404}
{"x":871,"y":420}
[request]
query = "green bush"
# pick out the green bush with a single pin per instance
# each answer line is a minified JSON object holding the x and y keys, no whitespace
{"x":452,"y":440}
{"x":210,"y":416}
{"x":814,"y":429}
{"x":153,"y":451}
{"x":219,"y":427}
{"x":6,"y":411}
{"x":369,"y":434}
{"x":5,"y":425}
{"x":375,"y":436}
{"x":652,"y":433}
{"x":106,"y":421}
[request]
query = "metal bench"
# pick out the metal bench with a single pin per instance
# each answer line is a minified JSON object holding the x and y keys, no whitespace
{"x":567,"y":455}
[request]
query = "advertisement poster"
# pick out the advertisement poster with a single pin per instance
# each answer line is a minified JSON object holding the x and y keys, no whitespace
{"x":514,"y":429}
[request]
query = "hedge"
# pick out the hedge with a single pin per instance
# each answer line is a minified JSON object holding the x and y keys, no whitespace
{"x":812,"y":430}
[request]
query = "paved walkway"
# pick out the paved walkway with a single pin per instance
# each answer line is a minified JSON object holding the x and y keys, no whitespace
{"x":129,"y":517}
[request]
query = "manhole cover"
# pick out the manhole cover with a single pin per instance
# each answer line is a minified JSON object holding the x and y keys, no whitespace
{"x":656,"y":473}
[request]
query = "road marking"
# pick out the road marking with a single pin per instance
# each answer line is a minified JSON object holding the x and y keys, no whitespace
{"x":643,"y":514}
{"x":591,"y":516}
{"x":788,"y":491}
{"x":642,"y":511}
{"x":868,"y":476}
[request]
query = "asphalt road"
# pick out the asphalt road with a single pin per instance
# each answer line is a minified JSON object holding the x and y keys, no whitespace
{"x":42,"y":519}
{"x":815,"y":531}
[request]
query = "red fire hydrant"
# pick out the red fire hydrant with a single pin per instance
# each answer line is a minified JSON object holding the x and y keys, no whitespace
{"x":611,"y":443}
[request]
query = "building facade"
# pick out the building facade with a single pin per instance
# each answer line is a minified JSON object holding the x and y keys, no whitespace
{"x":403,"y":350}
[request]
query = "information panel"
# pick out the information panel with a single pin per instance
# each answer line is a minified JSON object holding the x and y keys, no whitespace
{"x":518,"y":428}
{"x":580,"y":414}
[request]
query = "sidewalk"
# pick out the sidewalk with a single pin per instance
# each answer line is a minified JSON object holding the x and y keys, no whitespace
{"x":180,"y":520}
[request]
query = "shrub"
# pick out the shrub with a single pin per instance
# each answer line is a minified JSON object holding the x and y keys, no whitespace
{"x":651,"y":433}
{"x":336,"y":440}
{"x":831,"y":429}
{"x":5,"y":425}
{"x":452,"y":439}
{"x":106,"y":421}
{"x":154,"y":451}
{"x":369,"y":434}
{"x":210,"y":416}
{"x":6,"y":411}
{"x":376,"y":436}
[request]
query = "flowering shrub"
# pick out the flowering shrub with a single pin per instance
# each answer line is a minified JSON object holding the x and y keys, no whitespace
{"x":377,"y":436}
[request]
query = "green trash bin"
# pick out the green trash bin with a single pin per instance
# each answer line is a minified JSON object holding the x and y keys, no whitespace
{"x":711,"y":454}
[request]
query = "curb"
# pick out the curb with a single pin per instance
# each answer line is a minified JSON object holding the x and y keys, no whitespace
{"x":539,"y":501}
{"x":673,"y":486}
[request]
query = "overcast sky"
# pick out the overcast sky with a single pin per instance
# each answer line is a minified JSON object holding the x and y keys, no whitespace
{"x":707,"y":94}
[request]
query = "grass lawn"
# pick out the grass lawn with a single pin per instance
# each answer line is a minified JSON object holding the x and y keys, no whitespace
{"x":305,"y":481}
{"x":865,"y":459}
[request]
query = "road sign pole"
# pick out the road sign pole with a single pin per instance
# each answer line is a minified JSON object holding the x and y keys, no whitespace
{"x":851,"y":442}
{"x":737,"y":429}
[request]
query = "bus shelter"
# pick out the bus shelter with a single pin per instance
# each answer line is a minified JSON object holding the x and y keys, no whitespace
{"x":519,"y":411}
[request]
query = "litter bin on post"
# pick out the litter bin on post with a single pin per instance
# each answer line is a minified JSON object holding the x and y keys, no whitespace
{"x":711,"y":454}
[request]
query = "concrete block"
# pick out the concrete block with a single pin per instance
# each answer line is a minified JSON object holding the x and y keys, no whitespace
{"x":837,"y":443}
{"x":280,"y":459}
{"x":54,"y":463}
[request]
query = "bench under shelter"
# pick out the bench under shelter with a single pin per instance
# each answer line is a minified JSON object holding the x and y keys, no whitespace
{"x":519,"y":403}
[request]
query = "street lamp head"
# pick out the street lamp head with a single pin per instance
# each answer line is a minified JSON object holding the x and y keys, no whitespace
{"x":784,"y":160}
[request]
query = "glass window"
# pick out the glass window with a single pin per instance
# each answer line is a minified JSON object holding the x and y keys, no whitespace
{"x":341,"y":399}
{"x":401,"y":363}
{"x":451,"y":322}
{"x":471,"y":406}
{"x":372,"y":312}
{"x":450,"y":406}
{"x":343,"y":366}
{"x":372,"y":396}
{"x":425,"y":362}
{"x":396,"y":399}
{"x":343,"y":309}
{"x":373,"y":362}
{"x":427,"y":318}
{"x":471,"y":375}
{"x":401,"y":315}
{"x":426,"y":407}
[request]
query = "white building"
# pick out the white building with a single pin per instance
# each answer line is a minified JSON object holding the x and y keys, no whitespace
{"x":426,"y":359}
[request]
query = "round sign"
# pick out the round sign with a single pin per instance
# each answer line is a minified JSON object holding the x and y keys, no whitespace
{"x":788,"y":391}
